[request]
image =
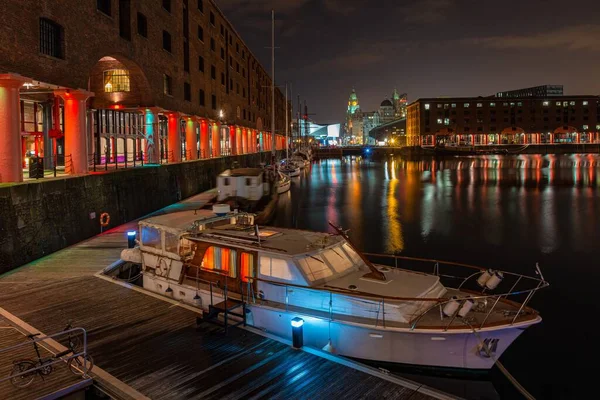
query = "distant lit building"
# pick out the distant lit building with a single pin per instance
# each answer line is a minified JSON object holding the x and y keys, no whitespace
{"x":353,"y":126}
{"x":491,"y":120}
{"x":536,"y":91}
{"x":370,"y":121}
{"x":386,"y":112}
{"x":359,"y":123}
{"x":400,"y":101}
{"x":390,"y":134}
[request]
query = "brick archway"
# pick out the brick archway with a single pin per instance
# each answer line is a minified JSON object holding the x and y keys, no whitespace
{"x":139,"y":93}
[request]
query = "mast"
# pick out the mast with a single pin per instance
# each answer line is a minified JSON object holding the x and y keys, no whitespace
{"x":273,"y":147}
{"x":287,"y":123}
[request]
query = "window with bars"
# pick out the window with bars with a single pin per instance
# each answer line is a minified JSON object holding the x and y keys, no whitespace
{"x":51,"y":38}
{"x":116,"y":80}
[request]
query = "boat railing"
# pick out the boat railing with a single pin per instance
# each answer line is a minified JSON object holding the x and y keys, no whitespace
{"x":376,"y":305}
{"x":466,"y":274}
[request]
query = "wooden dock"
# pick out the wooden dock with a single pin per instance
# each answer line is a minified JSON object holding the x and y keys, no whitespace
{"x":155,"y":349}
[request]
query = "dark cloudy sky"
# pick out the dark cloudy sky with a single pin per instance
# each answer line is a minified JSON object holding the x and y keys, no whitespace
{"x":427,"y":48}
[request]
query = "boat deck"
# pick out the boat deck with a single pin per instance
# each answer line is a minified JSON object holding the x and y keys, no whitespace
{"x":146,"y":347}
{"x":59,"y":383}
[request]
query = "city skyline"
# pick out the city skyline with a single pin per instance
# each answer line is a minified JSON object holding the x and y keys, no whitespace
{"x":432,"y":48}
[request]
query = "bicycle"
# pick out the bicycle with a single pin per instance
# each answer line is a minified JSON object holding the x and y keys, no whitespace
{"x":25,"y":370}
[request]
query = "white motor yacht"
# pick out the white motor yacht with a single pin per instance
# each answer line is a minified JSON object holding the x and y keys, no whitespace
{"x":455,"y":315}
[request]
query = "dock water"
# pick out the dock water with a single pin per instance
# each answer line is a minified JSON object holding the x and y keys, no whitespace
{"x":147,"y":347}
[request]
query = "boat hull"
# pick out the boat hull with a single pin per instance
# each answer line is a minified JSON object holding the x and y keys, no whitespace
{"x":435,"y":349}
{"x":439,"y":349}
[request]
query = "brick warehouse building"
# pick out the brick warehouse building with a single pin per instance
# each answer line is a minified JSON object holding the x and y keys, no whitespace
{"x":492,"y":120}
{"x":125,"y":81}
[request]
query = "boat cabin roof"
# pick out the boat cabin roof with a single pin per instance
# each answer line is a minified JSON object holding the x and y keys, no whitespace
{"x":178,"y":221}
{"x":237,"y":172}
{"x":291,"y":242}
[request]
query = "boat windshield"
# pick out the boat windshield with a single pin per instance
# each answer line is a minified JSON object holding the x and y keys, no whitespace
{"x":332,"y":263}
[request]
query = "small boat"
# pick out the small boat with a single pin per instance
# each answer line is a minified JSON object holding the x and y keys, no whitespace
{"x":290,"y":170}
{"x":292,"y":163}
{"x":284,"y":183}
{"x":275,"y":279}
{"x":249,"y":190}
{"x":301,"y":157}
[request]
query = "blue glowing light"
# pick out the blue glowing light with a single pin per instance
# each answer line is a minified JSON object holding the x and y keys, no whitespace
{"x":131,"y":233}
{"x":367,"y":151}
{"x":297,"y":322}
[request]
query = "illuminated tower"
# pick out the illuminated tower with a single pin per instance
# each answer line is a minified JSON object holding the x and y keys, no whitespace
{"x":352,"y":116}
{"x":353,"y":106}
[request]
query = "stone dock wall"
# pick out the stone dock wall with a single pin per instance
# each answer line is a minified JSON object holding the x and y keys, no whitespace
{"x":40,"y":217}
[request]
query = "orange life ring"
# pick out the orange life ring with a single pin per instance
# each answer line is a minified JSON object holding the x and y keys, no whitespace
{"x":104,"y":219}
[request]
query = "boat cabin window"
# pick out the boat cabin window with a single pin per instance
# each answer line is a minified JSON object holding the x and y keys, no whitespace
{"x":352,"y":254}
{"x":220,"y":259}
{"x":314,"y":267}
{"x":248,"y":181}
{"x":151,"y":237}
{"x":226,"y":181}
{"x":338,"y":259}
{"x":276,"y":268}
{"x":171,"y":242}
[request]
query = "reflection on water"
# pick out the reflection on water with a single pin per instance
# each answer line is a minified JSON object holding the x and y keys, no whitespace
{"x":500,"y":211}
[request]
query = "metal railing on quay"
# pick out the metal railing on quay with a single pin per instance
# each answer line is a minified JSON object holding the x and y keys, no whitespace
{"x":43,"y":363}
{"x":109,"y":160}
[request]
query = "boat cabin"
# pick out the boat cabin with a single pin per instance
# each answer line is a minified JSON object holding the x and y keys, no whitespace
{"x":249,"y":183}
{"x":281,"y":267}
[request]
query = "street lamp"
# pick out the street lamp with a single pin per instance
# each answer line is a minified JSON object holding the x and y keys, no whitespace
{"x":221,"y":114}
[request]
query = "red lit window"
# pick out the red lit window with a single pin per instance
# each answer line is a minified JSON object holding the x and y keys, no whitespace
{"x":247,"y":270}
{"x":220,"y":259}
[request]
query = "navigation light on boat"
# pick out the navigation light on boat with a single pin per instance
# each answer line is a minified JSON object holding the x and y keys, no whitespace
{"x":131,"y":239}
{"x":451,"y":307}
{"x":297,"y":322}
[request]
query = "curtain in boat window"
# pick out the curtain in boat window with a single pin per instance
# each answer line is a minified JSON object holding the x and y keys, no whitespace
{"x":221,"y":259}
{"x":247,"y":267}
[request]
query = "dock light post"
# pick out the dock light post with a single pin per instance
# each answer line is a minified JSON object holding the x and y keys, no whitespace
{"x":297,"y":334}
{"x":131,"y":239}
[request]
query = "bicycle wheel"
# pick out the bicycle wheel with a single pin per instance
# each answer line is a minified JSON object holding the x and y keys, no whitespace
{"x":76,"y":364}
{"x":24,"y":380}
